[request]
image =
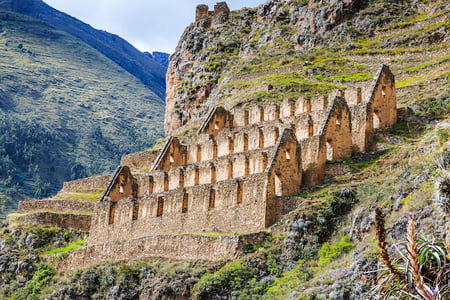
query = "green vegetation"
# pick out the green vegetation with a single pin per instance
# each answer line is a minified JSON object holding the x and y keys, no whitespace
{"x":288,"y":282}
{"x":15,"y":216}
{"x":72,"y":246}
{"x":231,"y":276}
{"x":285,"y":86}
{"x":86,"y":196}
{"x":33,"y":288}
{"x":427,"y":270}
{"x":66,"y":111}
{"x":328,"y":252}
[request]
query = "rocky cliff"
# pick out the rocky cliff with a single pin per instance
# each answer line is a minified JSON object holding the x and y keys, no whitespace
{"x":282,"y":34}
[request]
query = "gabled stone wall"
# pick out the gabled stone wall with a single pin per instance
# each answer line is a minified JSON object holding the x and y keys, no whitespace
{"x":235,"y":173}
{"x":234,"y":176}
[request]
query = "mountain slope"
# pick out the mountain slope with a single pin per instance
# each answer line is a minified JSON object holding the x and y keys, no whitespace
{"x":300,"y":47}
{"x":67,"y":110}
{"x":148,"y":71}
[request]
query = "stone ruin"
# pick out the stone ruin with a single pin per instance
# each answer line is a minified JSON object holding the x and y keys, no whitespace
{"x":206,"y":18}
{"x":236,"y":175}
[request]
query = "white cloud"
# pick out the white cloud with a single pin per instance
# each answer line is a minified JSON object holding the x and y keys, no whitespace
{"x":148,"y":25}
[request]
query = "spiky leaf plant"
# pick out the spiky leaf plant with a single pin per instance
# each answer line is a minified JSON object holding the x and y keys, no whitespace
{"x":421,"y":269}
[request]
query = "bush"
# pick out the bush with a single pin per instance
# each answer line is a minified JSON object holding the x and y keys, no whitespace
{"x":330,"y":252}
{"x":230,"y":277}
{"x":289,"y":282}
{"x":433,"y":108}
{"x":32,"y":289}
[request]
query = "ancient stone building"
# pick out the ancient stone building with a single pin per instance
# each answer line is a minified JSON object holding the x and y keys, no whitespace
{"x":234,"y":176}
{"x":206,"y":18}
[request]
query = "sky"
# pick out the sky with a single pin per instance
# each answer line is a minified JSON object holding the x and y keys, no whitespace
{"x":149,"y":25}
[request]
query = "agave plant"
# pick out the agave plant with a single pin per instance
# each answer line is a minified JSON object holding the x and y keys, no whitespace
{"x":421,"y":269}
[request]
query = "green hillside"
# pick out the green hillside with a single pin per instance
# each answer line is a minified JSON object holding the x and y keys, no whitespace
{"x":67,"y":111}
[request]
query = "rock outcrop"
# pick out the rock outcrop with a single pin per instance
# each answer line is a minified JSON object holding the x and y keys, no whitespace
{"x":220,"y":39}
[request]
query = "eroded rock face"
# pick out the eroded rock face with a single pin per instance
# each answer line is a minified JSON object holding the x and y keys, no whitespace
{"x":218,"y":39}
{"x":195,"y":67}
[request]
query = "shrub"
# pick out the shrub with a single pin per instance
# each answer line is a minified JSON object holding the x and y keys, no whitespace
{"x":289,"y":282}
{"x":232,"y":276}
{"x":330,"y":252}
{"x":433,"y":108}
{"x":32,"y":289}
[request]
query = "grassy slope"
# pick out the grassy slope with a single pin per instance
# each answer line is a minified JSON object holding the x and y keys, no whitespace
{"x":95,"y":109}
{"x":146,"y":69}
{"x":410,"y":43}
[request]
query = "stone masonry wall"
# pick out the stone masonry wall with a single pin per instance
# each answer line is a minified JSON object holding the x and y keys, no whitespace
{"x":165,"y":246}
{"x":76,"y":221}
{"x":140,"y":160}
{"x":55,"y":205}
{"x":236,"y":205}
{"x":231,"y":177}
{"x":90,"y":184}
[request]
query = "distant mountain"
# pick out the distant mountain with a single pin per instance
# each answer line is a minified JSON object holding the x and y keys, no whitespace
{"x":160,"y":57}
{"x":149,"y":71}
{"x":67,"y":110}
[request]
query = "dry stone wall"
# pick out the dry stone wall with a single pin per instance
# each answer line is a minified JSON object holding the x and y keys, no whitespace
{"x":234,"y":175}
{"x":206,"y":19}
{"x":77,"y":221}
{"x":55,"y":205}
{"x":90,"y":184}
{"x":140,"y":161}
{"x":165,"y":246}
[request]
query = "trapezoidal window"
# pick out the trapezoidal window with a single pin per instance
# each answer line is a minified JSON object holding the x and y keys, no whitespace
{"x":196,"y":176}
{"x":246,"y":166}
{"x":264,"y":161}
{"x":181,"y":179}
{"x":121,"y":189}
{"x":288,"y":155}
{"x":245,"y":142}
{"x":376,"y":120}
{"x":216,"y":125}
{"x":135,"y":211}
{"x":212,"y":198}
{"x":310,"y":129}
{"x":330,"y":150}
{"x":240,"y":192}
{"x":278,"y":185}
{"x":230,"y":170}
{"x":160,"y":208}
{"x":184,"y":208}
{"x":112,"y":212}
{"x":150,"y":184}
{"x":231,"y":146}
{"x":199,"y":153}
{"x":166,"y":181}
{"x":261,"y":140}
{"x":213,"y":174}
{"x":383,"y":90}
{"x":171,"y":160}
